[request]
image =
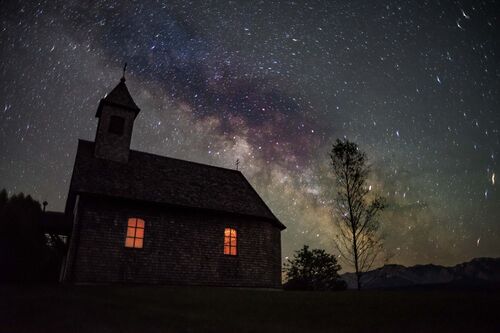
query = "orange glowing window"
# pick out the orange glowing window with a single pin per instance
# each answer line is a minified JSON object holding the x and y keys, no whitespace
{"x":135,"y":233}
{"x":230,"y":241}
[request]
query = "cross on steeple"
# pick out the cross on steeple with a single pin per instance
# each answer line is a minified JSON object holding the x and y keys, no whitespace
{"x":124,"y":69}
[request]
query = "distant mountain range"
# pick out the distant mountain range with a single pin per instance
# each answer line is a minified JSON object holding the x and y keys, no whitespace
{"x":477,"y":273}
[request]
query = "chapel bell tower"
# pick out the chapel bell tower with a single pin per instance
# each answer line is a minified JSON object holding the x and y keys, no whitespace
{"x":116,"y":112}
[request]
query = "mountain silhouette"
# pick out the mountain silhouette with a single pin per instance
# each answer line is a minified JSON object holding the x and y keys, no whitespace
{"x":477,"y":273}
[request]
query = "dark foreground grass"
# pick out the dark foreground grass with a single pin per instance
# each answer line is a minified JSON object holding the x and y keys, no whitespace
{"x":195,"y":309}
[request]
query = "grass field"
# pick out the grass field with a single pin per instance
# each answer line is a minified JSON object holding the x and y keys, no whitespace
{"x":195,"y":309}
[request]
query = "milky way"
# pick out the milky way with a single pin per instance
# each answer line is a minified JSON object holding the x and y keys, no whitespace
{"x":273,"y":84}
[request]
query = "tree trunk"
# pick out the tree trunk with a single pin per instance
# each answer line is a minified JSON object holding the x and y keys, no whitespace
{"x":358,"y":277}
{"x":356,"y":264}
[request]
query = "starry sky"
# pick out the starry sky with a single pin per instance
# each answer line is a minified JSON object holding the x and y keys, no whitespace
{"x":273,"y":83}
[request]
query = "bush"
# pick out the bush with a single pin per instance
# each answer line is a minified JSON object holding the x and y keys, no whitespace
{"x":313,"y":270}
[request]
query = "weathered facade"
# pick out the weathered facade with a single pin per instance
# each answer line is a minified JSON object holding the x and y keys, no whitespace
{"x":144,"y":218}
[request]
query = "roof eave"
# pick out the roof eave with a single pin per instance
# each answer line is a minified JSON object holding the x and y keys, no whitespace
{"x":273,"y":220}
{"x":281,"y":225}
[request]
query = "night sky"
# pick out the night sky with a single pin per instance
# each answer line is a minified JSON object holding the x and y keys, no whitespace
{"x":273,"y":83}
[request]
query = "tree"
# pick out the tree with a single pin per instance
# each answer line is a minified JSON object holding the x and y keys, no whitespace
{"x":313,"y":270}
{"x":24,"y":252}
{"x":358,"y":241}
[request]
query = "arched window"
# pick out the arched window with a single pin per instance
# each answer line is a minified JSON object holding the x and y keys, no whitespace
{"x":230,"y":237}
{"x":135,"y":233}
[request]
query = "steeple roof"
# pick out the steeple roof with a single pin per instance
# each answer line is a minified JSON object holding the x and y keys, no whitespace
{"x":120,"y":97}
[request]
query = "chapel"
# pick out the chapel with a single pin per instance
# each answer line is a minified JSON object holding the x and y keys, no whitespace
{"x":142,"y":218}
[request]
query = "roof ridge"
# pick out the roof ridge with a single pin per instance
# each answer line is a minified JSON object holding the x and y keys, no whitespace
{"x":177,"y":159}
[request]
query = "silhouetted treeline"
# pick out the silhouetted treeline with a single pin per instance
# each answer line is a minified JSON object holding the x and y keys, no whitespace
{"x":25,"y":254}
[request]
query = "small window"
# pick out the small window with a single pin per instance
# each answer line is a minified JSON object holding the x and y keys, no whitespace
{"x":135,"y":233}
{"x":116,"y":125}
{"x":230,"y":241}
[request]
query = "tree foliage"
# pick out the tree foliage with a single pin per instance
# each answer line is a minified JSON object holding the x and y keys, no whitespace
{"x":25,"y":254}
{"x":313,"y":270}
{"x":358,"y":241}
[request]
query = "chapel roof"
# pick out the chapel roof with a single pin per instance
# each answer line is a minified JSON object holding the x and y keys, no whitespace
{"x":164,"y":180}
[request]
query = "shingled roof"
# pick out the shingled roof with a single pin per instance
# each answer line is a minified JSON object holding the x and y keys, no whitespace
{"x":119,"y":96}
{"x":164,"y":180}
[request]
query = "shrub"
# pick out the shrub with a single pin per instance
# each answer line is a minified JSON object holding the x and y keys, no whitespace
{"x":313,"y":270}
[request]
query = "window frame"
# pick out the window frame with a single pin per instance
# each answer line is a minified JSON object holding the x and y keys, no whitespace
{"x":228,"y":242}
{"x":134,"y":224}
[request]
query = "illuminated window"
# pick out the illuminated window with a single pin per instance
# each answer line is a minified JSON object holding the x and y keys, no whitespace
{"x":135,"y":233}
{"x":230,"y":241}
